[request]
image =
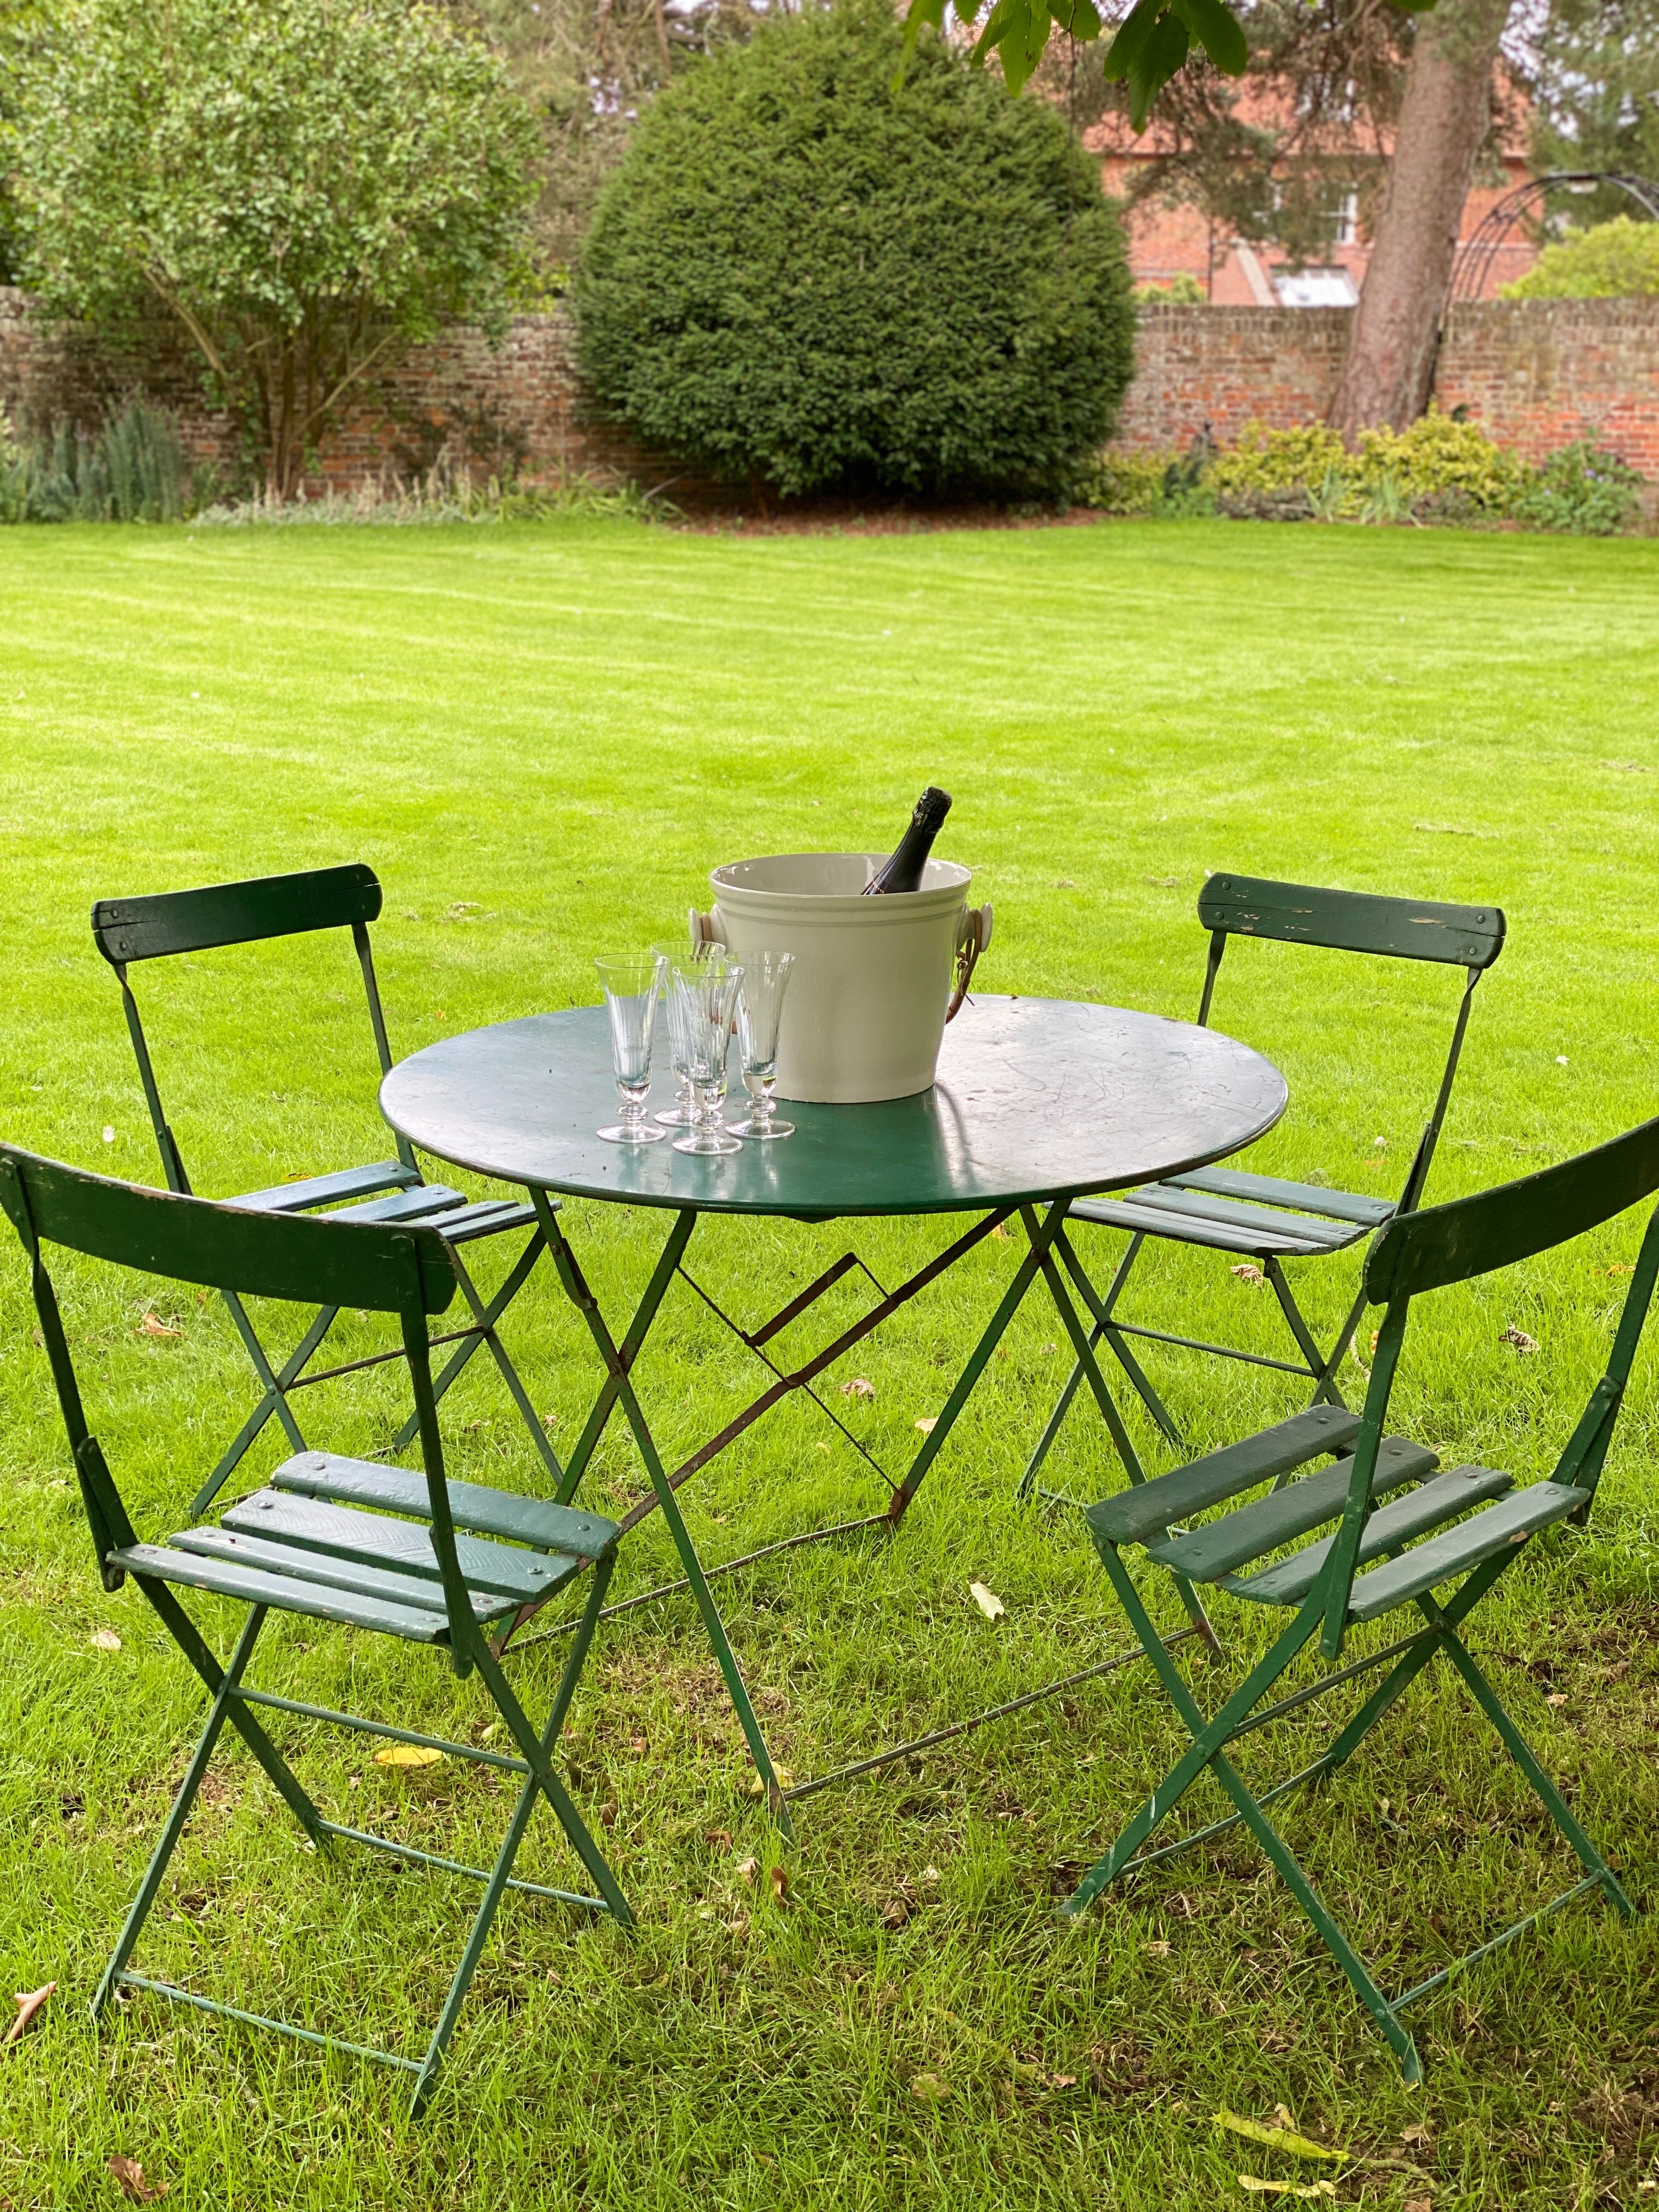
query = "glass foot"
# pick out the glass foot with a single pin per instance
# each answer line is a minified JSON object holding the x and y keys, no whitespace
{"x":709,"y":1142}
{"x":636,"y":1132}
{"x":676,"y":1117}
{"x":762,"y":1128}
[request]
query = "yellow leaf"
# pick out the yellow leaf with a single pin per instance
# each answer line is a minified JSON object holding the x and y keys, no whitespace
{"x":1285,"y":2139}
{"x":757,"y":1787}
{"x":930,"y":2088}
{"x":987,"y":1600}
{"x":1260,"y":2187}
{"x":152,"y":1326}
{"x":409,"y":1754}
{"x":928,"y":1424}
{"x":106,"y":1639}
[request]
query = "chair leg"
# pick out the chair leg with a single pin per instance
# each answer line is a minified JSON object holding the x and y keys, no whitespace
{"x":1319,"y":1368}
{"x":220,"y":1710}
{"x":534,"y":1788}
{"x":1102,"y":1310}
{"x":275,"y":1399}
{"x":486,"y":1316}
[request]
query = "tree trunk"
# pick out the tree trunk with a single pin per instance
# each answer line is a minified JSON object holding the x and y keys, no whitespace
{"x":1443,"y":120}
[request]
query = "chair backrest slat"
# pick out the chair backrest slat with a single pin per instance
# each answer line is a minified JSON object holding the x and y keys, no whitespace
{"x":1469,"y":1237}
{"x":1352,"y":922}
{"x":313,"y":1262}
{"x":150,"y":928}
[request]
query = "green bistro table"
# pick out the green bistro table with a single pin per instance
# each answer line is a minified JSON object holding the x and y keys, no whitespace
{"x":1037,"y":1101}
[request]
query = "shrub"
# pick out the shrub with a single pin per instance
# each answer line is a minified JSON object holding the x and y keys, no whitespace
{"x":1281,"y":476}
{"x":807,"y":273}
{"x":1178,"y":291}
{"x":1440,"y":457}
{"x":1125,"y":484}
{"x":1614,"y":260}
{"x":1583,"y":490}
{"x":131,"y":471}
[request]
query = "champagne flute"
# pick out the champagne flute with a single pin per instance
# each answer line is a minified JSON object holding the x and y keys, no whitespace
{"x":631,"y":984}
{"x":703,"y":995}
{"x":682,"y":956}
{"x":760,"y":1010}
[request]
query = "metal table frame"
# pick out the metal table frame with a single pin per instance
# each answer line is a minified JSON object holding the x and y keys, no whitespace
{"x":1049,"y":1255}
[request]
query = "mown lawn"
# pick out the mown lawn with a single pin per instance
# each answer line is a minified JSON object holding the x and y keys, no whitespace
{"x":542,"y":738}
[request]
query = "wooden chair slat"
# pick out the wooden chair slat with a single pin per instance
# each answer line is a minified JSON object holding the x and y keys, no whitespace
{"x":1150,"y":1219}
{"x":1353,"y":922}
{"x":1255,"y":1220}
{"x":1273,"y":1190}
{"x":286,"y":1592}
{"x":1250,"y":1532}
{"x":1447,"y":1498}
{"x":308,"y":1566}
{"x":1149,"y":1508}
{"x":267,"y":1255}
{"x":1510,"y":1520}
{"x":1466,"y":1237}
{"x":484,"y":1512}
{"x":335,"y":1189}
{"x":161,"y":923}
{"x":376,"y":1541}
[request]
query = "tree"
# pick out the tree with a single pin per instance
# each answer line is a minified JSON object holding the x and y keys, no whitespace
{"x":1616,"y":260}
{"x":1596,"y":72}
{"x":804,"y":273}
{"x":306,"y":186}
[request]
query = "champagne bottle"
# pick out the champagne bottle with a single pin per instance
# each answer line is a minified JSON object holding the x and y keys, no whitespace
{"x":901,"y":870}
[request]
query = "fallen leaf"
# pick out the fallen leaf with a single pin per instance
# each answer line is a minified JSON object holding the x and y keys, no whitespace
{"x":928,"y":1424}
{"x":1274,"y":2138}
{"x":1419,"y":2204}
{"x":896,"y":1911}
{"x":1062,"y":2081}
{"x":29,"y":2003}
{"x":152,"y":1326}
{"x":858,"y":1388}
{"x":747,"y":1870}
{"x":824,"y":1447}
{"x":1001,"y":1230}
{"x":930,"y":2088}
{"x":930,"y":1873}
{"x":1249,"y":1274}
{"x":1519,"y":1339}
{"x":1416,"y":2133}
{"x":409,"y":1754}
{"x":106,"y":1639}
{"x":780,"y":1880}
{"x":134,"y":2187}
{"x":1258,"y":2187}
{"x":757,"y":1787}
{"x":987,"y":1600}
{"x":722,"y":1837}
{"x":1156,"y":1950}
{"x":1557,"y":1698}
{"x":1621,"y":1271}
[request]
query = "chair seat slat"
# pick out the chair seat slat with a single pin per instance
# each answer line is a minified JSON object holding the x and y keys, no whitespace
{"x":1232,"y":1213}
{"x":309,"y":1566}
{"x":484,"y":1511}
{"x":431,"y":1202}
{"x":1250,"y":1532}
{"x":254,"y":1586}
{"x":1273,"y":1190}
{"x":403,"y":1544}
{"x":1147,"y":1219}
{"x":1512,"y":1519}
{"x":1447,"y":1498}
{"x":1148,"y":1508}
{"x":344,"y":1183}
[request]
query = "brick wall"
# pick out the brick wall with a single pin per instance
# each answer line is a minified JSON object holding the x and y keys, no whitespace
{"x":1535,"y":373}
{"x":512,"y":407}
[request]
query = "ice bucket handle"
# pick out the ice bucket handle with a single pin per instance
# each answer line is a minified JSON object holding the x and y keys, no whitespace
{"x":973,"y":935}
{"x":704,"y":929}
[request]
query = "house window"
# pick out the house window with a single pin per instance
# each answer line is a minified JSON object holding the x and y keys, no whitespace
{"x":1315,"y":288}
{"x":1345,"y":221}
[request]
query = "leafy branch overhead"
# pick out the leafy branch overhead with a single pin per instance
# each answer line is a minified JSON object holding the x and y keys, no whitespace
{"x":1152,"y":43}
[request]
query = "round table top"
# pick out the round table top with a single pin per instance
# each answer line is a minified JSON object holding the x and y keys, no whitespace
{"x":1035,"y":1098}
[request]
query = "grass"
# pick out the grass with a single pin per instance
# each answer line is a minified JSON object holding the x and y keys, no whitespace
{"x":542,"y":738}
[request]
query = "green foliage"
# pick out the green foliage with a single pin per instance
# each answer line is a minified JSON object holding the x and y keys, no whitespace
{"x":1594,"y":85}
{"x":1439,"y":470}
{"x":131,"y":471}
{"x":443,"y":496}
{"x":806,"y":274}
{"x":1583,"y":490}
{"x":1181,"y":290}
{"x":304,"y":185}
{"x":1615,"y":260}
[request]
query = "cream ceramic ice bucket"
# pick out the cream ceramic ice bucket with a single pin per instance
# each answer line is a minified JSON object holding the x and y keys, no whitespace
{"x":872,"y":987}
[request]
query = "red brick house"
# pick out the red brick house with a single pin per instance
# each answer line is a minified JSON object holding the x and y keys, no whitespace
{"x":1169,"y":240}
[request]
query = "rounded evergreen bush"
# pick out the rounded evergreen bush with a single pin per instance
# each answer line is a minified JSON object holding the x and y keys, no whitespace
{"x":804,"y":273}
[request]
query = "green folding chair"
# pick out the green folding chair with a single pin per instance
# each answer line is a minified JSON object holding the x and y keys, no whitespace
{"x":1259,"y":1219}
{"x":1442,"y":1541}
{"x":127,"y":930}
{"x":411,"y":1555}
